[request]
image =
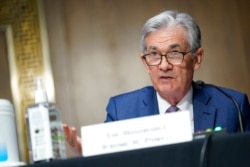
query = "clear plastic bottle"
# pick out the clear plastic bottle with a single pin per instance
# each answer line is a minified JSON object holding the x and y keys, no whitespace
{"x":45,"y":134}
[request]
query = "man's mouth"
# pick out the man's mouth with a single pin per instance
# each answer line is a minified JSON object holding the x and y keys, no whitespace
{"x":166,"y":77}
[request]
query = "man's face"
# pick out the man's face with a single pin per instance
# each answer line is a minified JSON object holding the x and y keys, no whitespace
{"x":172,"y":81}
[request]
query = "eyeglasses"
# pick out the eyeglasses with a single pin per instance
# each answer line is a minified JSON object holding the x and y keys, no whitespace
{"x":155,"y":58}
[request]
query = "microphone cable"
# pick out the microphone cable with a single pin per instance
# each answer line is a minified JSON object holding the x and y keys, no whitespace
{"x":205,"y":151}
{"x":204,"y":154}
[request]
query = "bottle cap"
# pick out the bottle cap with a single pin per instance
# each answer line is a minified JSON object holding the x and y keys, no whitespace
{"x":6,"y":106}
{"x":40,"y":94}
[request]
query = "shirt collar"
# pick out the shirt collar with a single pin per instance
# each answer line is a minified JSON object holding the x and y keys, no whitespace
{"x":184,"y":104}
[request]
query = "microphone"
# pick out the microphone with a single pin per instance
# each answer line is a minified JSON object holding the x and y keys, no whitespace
{"x":200,"y":84}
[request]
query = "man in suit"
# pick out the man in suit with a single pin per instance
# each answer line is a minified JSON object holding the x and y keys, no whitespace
{"x":211,"y":107}
{"x":171,"y":53}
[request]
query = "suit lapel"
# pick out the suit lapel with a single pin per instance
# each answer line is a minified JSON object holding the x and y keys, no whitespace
{"x":204,"y":115}
{"x":149,"y":102}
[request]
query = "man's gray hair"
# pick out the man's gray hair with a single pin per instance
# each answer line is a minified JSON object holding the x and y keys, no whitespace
{"x":173,"y":18}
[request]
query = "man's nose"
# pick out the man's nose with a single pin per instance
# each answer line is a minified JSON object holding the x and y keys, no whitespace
{"x":165,"y":64}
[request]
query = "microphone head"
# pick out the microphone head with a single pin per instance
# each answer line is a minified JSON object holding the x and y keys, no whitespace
{"x":199,"y":84}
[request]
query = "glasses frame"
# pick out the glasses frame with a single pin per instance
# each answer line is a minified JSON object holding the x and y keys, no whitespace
{"x":166,"y":56}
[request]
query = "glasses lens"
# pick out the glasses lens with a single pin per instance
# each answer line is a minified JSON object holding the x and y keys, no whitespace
{"x":175,"y":57}
{"x":153,"y":59}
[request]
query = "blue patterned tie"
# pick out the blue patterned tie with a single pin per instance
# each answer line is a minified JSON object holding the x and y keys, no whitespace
{"x":172,"y":109}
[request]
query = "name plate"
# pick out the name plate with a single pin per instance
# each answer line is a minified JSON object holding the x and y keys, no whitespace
{"x":136,"y":133}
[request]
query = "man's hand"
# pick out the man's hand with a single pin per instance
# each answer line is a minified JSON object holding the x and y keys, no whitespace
{"x":72,"y":139}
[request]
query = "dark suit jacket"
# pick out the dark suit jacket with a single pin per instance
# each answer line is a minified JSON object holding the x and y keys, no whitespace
{"x":211,"y":107}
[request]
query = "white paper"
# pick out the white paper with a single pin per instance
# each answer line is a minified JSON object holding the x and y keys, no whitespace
{"x":136,"y":133}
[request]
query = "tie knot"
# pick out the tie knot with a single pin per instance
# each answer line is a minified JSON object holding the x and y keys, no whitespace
{"x":172,"y":109}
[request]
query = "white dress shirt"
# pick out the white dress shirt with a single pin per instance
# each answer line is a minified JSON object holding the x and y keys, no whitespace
{"x":184,"y":104}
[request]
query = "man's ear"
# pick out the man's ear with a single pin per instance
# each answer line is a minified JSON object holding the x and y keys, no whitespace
{"x":144,"y":63}
{"x":198,"y":58}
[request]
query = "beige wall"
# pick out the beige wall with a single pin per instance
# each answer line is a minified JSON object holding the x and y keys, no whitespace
{"x":94,"y":49}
